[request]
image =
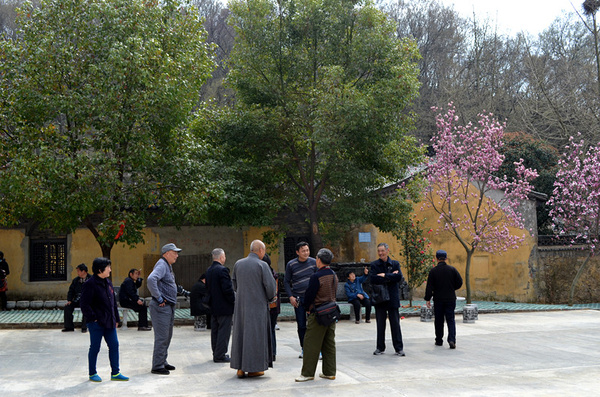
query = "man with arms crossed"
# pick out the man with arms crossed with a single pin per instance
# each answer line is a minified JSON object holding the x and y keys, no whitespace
{"x":386,"y":272}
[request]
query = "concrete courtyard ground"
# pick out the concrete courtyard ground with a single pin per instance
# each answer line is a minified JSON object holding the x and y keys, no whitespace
{"x":544,"y":353}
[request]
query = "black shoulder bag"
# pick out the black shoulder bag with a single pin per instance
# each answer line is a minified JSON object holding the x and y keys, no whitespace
{"x":328,"y":313}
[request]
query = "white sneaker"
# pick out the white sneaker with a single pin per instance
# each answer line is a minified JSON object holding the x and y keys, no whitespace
{"x":302,"y":378}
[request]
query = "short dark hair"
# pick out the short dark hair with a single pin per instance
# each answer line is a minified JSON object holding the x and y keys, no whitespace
{"x":301,"y":244}
{"x":132,"y":271}
{"x":100,"y":264}
{"x":82,"y":267}
{"x":325,"y":256}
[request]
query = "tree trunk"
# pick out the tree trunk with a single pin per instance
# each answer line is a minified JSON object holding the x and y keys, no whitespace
{"x":315,"y":234}
{"x":597,"y":50}
{"x":467,"y":274}
{"x":577,"y":276}
{"x":106,"y":250}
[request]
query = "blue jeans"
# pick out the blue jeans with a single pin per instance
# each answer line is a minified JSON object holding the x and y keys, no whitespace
{"x":301,"y":320}
{"x":97,"y":332}
{"x":444,"y":310}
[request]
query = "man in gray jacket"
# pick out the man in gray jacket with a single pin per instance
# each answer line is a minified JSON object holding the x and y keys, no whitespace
{"x":251,"y":349}
{"x":161,"y":284}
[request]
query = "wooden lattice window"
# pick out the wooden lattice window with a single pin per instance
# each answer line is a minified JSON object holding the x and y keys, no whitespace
{"x":48,"y":260}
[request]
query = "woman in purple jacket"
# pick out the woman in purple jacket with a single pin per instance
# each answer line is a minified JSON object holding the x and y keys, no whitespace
{"x":99,"y":307}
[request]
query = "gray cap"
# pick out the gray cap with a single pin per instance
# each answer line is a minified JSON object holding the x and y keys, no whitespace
{"x":169,"y":247}
{"x":441,"y":254}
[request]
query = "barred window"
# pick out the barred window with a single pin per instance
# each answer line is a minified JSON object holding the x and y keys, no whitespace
{"x":289,"y":246}
{"x":48,"y":260}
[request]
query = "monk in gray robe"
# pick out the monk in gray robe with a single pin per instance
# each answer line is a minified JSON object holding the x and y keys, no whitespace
{"x":251,"y":350}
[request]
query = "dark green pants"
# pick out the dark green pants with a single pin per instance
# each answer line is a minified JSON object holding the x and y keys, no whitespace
{"x":318,"y":339}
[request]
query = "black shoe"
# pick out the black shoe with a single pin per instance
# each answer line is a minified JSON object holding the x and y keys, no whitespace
{"x":161,"y":371}
{"x":68,"y":330}
{"x":452,"y":345}
{"x":169,"y":367}
{"x":400,"y":353}
{"x":225,"y":359}
{"x":144,"y":329}
{"x":83,"y":330}
{"x":377,"y":352}
{"x":439,"y":343}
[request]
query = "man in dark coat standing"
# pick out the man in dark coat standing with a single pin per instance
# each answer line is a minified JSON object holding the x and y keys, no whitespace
{"x":221,"y":302}
{"x":73,"y":297}
{"x":386,"y":272}
{"x":442,"y":282}
{"x":129,"y":298}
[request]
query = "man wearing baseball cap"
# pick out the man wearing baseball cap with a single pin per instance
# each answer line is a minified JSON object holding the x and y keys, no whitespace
{"x":162,"y":286}
{"x":442,"y":282}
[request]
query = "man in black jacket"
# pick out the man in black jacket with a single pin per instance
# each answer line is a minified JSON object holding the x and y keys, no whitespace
{"x":129,"y":298}
{"x":73,"y":297}
{"x":386,"y":272}
{"x":442,"y":281}
{"x":222,"y":302}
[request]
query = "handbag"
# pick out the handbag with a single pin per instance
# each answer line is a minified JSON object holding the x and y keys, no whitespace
{"x":328,"y":313}
{"x":380,"y":294}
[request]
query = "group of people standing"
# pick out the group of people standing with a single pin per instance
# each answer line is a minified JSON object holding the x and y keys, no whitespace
{"x":237,"y":301}
{"x":245,"y":300}
{"x":385,"y":273}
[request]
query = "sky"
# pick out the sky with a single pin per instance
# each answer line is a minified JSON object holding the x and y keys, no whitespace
{"x":512,"y":16}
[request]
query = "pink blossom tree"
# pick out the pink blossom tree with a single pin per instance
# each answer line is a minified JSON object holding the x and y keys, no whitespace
{"x":474,"y":205}
{"x":575,"y":201}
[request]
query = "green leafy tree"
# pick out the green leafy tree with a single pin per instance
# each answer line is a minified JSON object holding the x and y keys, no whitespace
{"x":321,"y":120}
{"x":93,"y":97}
{"x":418,"y":257}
